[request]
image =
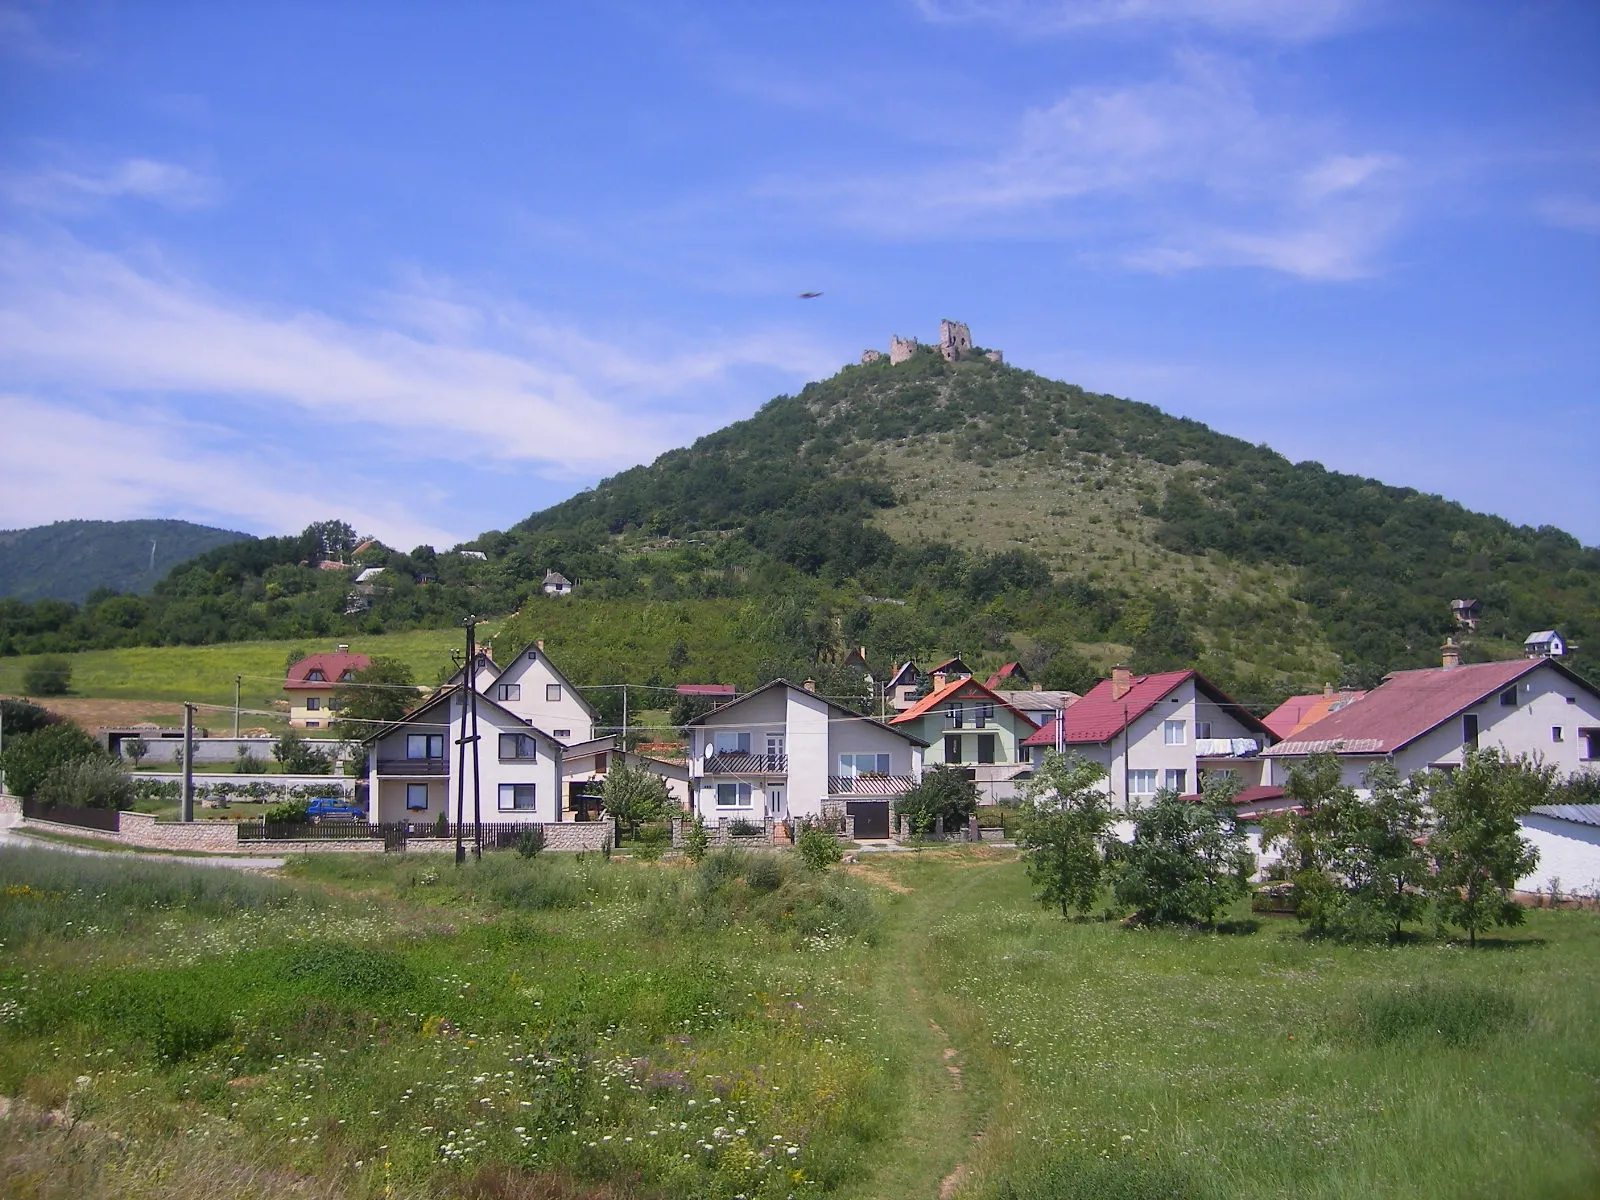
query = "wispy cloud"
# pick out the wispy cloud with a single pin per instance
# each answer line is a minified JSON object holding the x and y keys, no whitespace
{"x":1284,"y":20}
{"x":56,"y":189}
{"x":1173,"y":173}
{"x":1581,"y":213}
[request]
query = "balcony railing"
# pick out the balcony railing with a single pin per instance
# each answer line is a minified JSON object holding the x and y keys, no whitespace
{"x":746,"y":764}
{"x":869,"y":785}
{"x":413,"y":766}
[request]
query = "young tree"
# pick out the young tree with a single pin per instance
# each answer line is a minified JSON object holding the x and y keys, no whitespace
{"x":941,"y":792}
{"x":1311,"y":838}
{"x":50,"y":675}
{"x":1065,"y":820}
{"x":134,"y":749}
{"x":1188,"y":860}
{"x":96,"y":781}
{"x":1478,"y":854}
{"x":380,"y":692}
{"x":634,"y":796}
{"x":298,"y":756}
{"x":1381,"y":859}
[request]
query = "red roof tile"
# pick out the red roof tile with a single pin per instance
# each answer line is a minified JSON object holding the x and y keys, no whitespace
{"x":965,"y":688}
{"x":1008,"y":672}
{"x":1099,"y":716}
{"x":1405,"y":706}
{"x":1295,"y":713}
{"x":332,"y":665}
{"x":705,"y":689}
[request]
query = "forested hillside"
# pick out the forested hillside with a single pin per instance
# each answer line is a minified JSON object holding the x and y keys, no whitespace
{"x":70,"y":559}
{"x":922,"y":509}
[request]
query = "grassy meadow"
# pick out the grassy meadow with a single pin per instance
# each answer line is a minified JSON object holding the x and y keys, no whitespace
{"x":911,"y":1026}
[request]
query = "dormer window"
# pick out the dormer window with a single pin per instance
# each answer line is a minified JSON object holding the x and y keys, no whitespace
{"x":347,"y":677}
{"x":315,"y":675}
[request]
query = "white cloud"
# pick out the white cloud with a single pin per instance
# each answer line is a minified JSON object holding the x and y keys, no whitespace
{"x":58,"y":189}
{"x":484,"y":381}
{"x":61,"y":462}
{"x":1286,"y":20}
{"x":1581,"y":213}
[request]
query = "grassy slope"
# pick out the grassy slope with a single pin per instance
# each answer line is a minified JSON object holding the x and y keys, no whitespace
{"x":981,"y":1044}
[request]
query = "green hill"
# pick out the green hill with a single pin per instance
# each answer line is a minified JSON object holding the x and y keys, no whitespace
{"x":70,"y":559}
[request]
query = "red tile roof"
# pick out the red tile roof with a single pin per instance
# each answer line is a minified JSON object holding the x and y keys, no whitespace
{"x":705,"y":689}
{"x":1295,"y":713}
{"x":332,"y":666}
{"x":965,"y":688}
{"x":1405,"y":706}
{"x":1009,"y":671}
{"x":1099,"y":716}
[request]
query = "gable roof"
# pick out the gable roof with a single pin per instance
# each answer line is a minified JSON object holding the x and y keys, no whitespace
{"x":909,"y":667}
{"x":1407,"y":705}
{"x":832,"y":705}
{"x":1010,"y":673}
{"x":484,"y":656}
{"x":1099,"y":715}
{"x":534,"y":647}
{"x":706,"y":689}
{"x":950,"y":664}
{"x":961,"y":688}
{"x":332,"y":665}
{"x":414,"y":716}
{"x":1297,"y":712}
{"x":1542,"y":635}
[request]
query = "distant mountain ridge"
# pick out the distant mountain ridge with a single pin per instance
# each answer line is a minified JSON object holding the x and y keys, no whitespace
{"x":69,"y":559}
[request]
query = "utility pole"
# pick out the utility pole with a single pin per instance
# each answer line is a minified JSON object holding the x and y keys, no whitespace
{"x":468,"y":704}
{"x":186,"y":802}
{"x":624,"y":718}
{"x":472,"y":702}
{"x":237,"y":679}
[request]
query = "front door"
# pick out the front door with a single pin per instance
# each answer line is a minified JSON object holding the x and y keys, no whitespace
{"x":775,"y":805}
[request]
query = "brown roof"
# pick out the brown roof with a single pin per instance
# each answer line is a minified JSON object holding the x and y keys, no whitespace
{"x":1297,"y":712}
{"x":332,"y":665}
{"x":1011,"y":671}
{"x":964,"y":688}
{"x":1405,"y":706}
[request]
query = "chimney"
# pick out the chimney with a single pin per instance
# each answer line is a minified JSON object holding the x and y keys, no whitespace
{"x":1038,"y":687}
{"x":344,"y":648}
{"x":938,"y":680}
{"x":1451,"y":654}
{"x":810,"y":685}
{"x":1327,"y":689}
{"x":539,"y":644}
{"x":1121,"y":682}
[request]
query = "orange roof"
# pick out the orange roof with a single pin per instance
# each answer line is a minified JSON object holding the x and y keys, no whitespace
{"x":1295,"y":713}
{"x":974,"y":689}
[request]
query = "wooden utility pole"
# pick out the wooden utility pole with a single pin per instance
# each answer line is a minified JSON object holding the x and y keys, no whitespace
{"x":186,"y":802}
{"x":237,"y":679}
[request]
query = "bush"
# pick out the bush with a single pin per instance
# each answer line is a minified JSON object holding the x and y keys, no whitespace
{"x":93,"y":782}
{"x":246,"y":763}
{"x":299,"y":756}
{"x":48,"y":676}
{"x":942,"y":792}
{"x":764,"y":873}
{"x":18,"y":717}
{"x":818,"y":848}
{"x":530,"y":841}
{"x":743,"y":828}
{"x":698,"y":840}
{"x":296,"y":810}
{"x":1187,"y":861}
{"x":29,"y":759}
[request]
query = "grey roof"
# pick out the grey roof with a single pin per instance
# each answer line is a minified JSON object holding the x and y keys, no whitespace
{"x":1578,"y":814}
{"x":1543,"y":635}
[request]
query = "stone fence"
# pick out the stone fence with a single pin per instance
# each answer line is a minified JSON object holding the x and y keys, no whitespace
{"x":721,"y":834}
{"x":972,"y":832}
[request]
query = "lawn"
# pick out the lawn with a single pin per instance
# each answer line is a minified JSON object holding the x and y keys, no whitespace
{"x":911,"y":1026}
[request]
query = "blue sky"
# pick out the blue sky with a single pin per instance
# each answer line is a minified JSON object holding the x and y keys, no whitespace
{"x":433,"y":267}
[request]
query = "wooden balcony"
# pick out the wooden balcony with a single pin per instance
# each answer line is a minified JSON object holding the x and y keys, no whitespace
{"x":424,"y":767}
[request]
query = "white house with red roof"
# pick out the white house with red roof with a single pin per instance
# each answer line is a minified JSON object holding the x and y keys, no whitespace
{"x":1159,"y":732}
{"x":969,"y":725}
{"x":1431,"y":717}
{"x":311,"y":681}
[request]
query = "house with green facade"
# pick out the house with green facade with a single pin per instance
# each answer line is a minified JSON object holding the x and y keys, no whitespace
{"x":971,"y":726}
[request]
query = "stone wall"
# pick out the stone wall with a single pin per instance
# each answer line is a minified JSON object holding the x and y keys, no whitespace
{"x":870,"y":356}
{"x":718,"y":834}
{"x":900,"y":349}
{"x":955,"y":340}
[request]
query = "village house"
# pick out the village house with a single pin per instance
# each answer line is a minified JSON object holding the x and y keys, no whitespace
{"x":904,"y":687}
{"x":557,"y":584}
{"x":1297,"y":712}
{"x":1162,"y":732}
{"x":968,"y":725}
{"x":311,"y":681}
{"x":783,"y":752}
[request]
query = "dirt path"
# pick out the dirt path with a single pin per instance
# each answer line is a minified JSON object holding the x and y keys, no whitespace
{"x":955,"y":1081}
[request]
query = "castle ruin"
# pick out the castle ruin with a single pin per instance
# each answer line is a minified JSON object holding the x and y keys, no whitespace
{"x":955,"y":344}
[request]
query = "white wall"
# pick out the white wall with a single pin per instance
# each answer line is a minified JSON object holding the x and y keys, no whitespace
{"x":531,"y":672}
{"x":810,"y":752}
{"x":1567,"y":851}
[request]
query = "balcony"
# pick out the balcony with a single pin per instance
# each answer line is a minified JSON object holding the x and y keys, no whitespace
{"x":746,"y":764}
{"x":413,"y":766}
{"x":869,"y":785}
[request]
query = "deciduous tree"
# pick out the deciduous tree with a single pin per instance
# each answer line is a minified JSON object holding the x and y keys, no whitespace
{"x":1065,"y":820}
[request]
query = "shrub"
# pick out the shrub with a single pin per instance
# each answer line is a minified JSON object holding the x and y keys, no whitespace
{"x":299,"y":757}
{"x":698,"y":840}
{"x":294,"y":810}
{"x":942,"y":792}
{"x":530,"y":841}
{"x":18,"y":717}
{"x":818,"y":848}
{"x":48,"y":676}
{"x":1188,"y":860}
{"x":246,"y":763}
{"x":29,"y":759}
{"x":743,"y":828}
{"x":764,"y":873}
{"x":93,"y":782}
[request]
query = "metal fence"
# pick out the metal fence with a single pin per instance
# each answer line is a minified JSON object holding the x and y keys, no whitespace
{"x":85,"y":818}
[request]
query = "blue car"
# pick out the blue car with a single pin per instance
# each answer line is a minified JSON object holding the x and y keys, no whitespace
{"x":332,"y":806}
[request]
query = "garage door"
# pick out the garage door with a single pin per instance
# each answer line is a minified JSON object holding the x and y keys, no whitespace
{"x":872,"y":817}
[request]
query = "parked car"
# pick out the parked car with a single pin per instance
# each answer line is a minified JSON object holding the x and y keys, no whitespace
{"x":324,"y":807}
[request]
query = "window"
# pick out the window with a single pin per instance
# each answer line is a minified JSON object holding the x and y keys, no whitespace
{"x":1591,"y":744}
{"x":984,"y":714}
{"x":552,"y":692}
{"x":1202,"y":729}
{"x":313,"y":724}
{"x":518,"y":746}
{"x":533,"y":656}
{"x":952,"y":749}
{"x":516,"y":797}
{"x":1142,"y":783}
{"x":416,"y":797}
{"x":1508,"y":698}
{"x":313,"y":703}
{"x":733,"y":795}
{"x":1177,"y":781}
{"x":347,"y":676}
{"x":731,"y":743}
{"x":986,"y":747}
{"x":1173,"y":732}
{"x":561,"y":733}
{"x":316,"y":676}
{"x":853,"y":765}
{"x":955,"y":716}
{"x":424,"y":745}
{"x":1556,"y":734}
{"x":1469,"y":730}
{"x":508,"y":691}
